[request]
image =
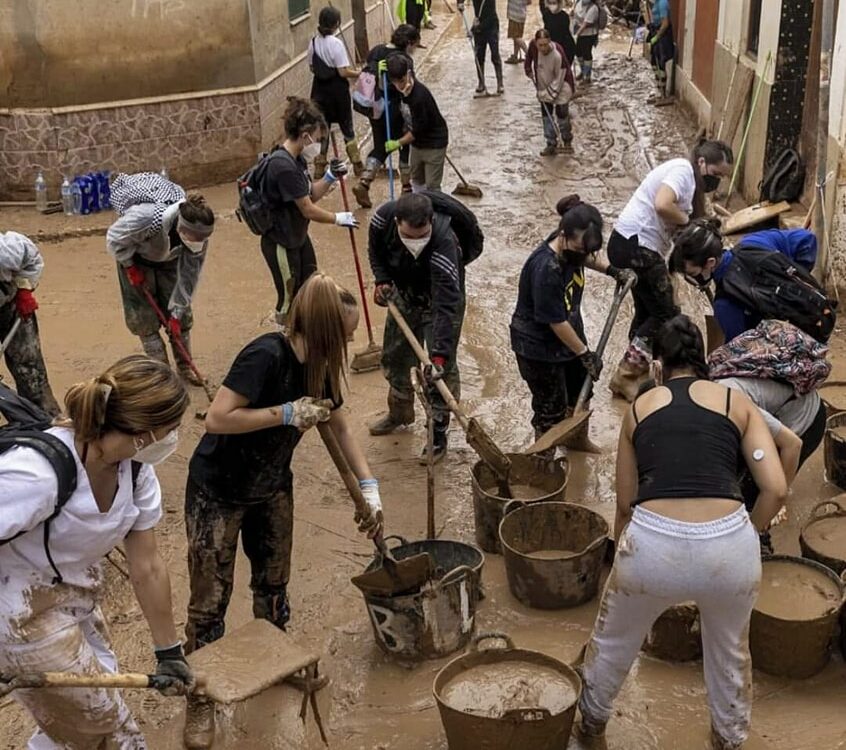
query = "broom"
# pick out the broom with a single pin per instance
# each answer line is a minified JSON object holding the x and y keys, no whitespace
{"x":464,"y":187}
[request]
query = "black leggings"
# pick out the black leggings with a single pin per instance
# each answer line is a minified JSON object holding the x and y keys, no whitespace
{"x":289,"y":267}
{"x":380,"y":136}
{"x":554,"y":387}
{"x":584,"y":47}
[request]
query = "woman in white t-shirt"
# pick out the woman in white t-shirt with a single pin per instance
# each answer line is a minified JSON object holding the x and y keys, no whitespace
{"x":668,"y":198}
{"x":330,"y":88}
{"x":50,"y":619}
{"x":586,"y":33}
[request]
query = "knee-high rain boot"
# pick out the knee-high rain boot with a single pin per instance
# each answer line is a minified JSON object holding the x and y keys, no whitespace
{"x":154,"y":347}
{"x":355,"y":158}
{"x":319,"y":166}
{"x":361,"y":190}
{"x":500,"y":87}
{"x":185,"y":371}
{"x":580,"y":439}
{"x":632,"y":371}
{"x":400,"y":413}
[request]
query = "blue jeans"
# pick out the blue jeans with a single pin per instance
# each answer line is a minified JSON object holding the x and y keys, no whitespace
{"x":561,"y":112}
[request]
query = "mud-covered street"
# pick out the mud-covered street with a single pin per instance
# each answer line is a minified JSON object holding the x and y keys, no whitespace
{"x":374,"y":702}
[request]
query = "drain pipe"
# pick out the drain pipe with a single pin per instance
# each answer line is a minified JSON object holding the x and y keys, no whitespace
{"x":826,"y":45}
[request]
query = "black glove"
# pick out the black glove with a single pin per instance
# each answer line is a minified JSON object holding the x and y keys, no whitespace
{"x":592,"y":364}
{"x":338,"y":168}
{"x":172,"y":663}
{"x":621,"y":275}
{"x":383,"y":292}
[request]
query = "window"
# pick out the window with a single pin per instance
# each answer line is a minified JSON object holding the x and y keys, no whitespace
{"x":753,"y":29}
{"x":299,"y":8}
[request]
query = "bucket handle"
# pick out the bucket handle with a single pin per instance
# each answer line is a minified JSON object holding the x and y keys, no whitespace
{"x":512,"y":505}
{"x":477,"y":640}
{"x":815,"y":510}
{"x":454,"y":575}
{"x":402,"y":540}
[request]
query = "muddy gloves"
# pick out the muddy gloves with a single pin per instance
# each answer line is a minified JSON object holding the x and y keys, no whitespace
{"x":391,"y":146}
{"x":383,"y":292}
{"x":306,"y":412}
{"x":592,"y":363}
{"x":621,"y":275}
{"x":335,"y":171}
{"x":373,"y":521}
{"x":135,"y":275}
{"x":171,"y":663}
{"x":434,"y":371}
{"x":346,"y":219}
{"x":25,"y":303}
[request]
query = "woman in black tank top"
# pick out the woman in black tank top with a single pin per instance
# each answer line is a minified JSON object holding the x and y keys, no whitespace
{"x":683,"y":533}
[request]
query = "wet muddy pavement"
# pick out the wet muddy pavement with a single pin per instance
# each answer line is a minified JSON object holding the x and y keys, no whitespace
{"x":375,"y":702}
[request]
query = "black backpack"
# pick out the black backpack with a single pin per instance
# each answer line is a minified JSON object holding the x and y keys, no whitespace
{"x":319,"y":68}
{"x":26,"y":425}
{"x":772,"y":285}
{"x":784,"y":179}
{"x":253,"y":209}
{"x":464,"y":224}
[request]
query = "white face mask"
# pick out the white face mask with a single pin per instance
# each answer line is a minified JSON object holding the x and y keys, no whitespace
{"x":158,"y":450}
{"x":194,"y":247}
{"x":415,"y":247}
{"x":311,"y":151}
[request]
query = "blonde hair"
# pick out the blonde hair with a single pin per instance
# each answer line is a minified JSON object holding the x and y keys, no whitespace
{"x":135,"y":395}
{"x":317,"y":315}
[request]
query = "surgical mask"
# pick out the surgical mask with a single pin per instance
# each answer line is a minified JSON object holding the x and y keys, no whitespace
{"x":194,"y":247}
{"x":415,"y":247}
{"x":158,"y":450}
{"x":711,"y":182}
{"x":311,"y":151}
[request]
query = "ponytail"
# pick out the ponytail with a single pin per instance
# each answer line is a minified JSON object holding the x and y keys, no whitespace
{"x":302,"y":116}
{"x":577,"y":216}
{"x":679,"y":346}
{"x":697,"y":243}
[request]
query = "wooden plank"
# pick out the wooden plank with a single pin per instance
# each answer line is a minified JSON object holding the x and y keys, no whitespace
{"x":247,"y":661}
{"x":753,"y":215}
{"x":736,"y":100}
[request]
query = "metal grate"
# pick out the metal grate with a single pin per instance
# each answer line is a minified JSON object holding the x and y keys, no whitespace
{"x":297,"y":9}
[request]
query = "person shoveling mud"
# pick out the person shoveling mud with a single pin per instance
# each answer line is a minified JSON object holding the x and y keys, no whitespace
{"x":239,"y":479}
{"x":90,"y":481}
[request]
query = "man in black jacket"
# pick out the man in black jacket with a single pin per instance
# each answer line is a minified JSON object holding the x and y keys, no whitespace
{"x":417,"y":263}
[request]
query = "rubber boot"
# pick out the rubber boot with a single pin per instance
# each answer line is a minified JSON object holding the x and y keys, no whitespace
{"x":400,"y":413}
{"x":440,"y":441}
{"x":591,"y":734}
{"x":185,"y":371}
{"x":500,"y":86}
{"x":548,"y":454}
{"x":627,"y":379}
{"x":481,"y":89}
{"x":154,"y":347}
{"x":273,"y":607}
{"x":587,"y":72}
{"x":580,"y":439}
{"x":405,"y":178}
{"x":319,"y":166}
{"x":355,"y":158}
{"x":361,"y":190}
{"x":718,"y":743}
{"x":198,"y":733}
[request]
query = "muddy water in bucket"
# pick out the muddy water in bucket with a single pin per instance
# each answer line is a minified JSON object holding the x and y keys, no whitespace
{"x":531,"y":478}
{"x":553,"y":553}
{"x":795,"y":616}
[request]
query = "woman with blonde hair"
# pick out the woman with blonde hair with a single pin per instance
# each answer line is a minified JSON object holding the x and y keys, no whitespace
{"x":239,"y":479}
{"x":118,"y":425}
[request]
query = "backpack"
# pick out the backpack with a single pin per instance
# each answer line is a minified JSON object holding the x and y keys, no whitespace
{"x":774,"y":350}
{"x":26,"y":425}
{"x":253,"y":210}
{"x":784,"y":179}
{"x":772,"y":285}
{"x":321,"y":71}
{"x":464,"y":223}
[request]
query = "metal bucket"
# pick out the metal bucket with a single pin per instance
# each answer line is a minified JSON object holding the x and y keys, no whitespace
{"x":833,"y":395}
{"x":791,"y":647}
{"x":816,"y":537}
{"x":834,"y":450}
{"x":440,"y":618}
{"x":527,"y":727}
{"x":549,"y":477}
{"x":553,"y":581}
{"x":676,"y":635}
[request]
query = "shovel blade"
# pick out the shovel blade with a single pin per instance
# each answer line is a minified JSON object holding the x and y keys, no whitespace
{"x":558,"y":433}
{"x":487,"y":449}
{"x":368,"y":360}
{"x":395,"y":576}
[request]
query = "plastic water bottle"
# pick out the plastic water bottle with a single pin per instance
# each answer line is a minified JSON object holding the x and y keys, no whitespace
{"x":76,"y":193}
{"x":67,"y":197}
{"x":163,"y":172}
{"x":40,"y":192}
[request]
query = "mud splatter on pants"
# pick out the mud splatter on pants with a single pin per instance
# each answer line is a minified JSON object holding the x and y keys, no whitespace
{"x":662,"y":562}
{"x":25,"y":360}
{"x":554,"y":387}
{"x":73,"y":719}
{"x":213,"y":528}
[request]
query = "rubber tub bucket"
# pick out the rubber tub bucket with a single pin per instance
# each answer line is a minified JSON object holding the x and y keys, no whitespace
{"x":834,"y":449}
{"x":544,"y":480}
{"x":833,"y":395}
{"x":823,"y":537}
{"x":439,"y":618}
{"x":676,"y":636}
{"x":553,"y":553}
{"x":506,"y":699}
{"x":794,"y":619}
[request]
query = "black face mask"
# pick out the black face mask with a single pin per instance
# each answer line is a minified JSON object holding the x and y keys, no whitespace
{"x":573,"y":258}
{"x":698,"y":281}
{"x":711,"y":181}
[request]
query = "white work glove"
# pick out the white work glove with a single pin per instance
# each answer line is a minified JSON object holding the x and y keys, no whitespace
{"x":372,"y":523}
{"x":306,"y":412}
{"x":346,"y":219}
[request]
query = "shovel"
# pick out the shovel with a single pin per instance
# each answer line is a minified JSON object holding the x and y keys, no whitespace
{"x":9,"y":682}
{"x":393,"y":576}
{"x":556,"y":434}
{"x":478,"y":439}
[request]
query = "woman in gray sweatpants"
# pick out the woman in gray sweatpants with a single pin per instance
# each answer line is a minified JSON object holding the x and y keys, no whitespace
{"x":684,"y":534}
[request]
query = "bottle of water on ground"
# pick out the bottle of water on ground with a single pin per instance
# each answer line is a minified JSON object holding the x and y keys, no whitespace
{"x":40,"y":192}
{"x":67,"y":197}
{"x":76,"y":194}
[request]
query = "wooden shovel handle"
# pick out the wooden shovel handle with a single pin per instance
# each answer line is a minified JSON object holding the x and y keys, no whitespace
{"x":73,"y":680}
{"x":340,"y":461}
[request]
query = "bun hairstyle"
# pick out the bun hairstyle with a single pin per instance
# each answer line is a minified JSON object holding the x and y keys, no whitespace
{"x":134,"y":396}
{"x":577,"y":216}
{"x":328,"y":20}
{"x":404,"y":35}
{"x":714,"y":152}
{"x":697,"y":243}
{"x":302,"y":116}
{"x":679,"y":346}
{"x":195,"y":210}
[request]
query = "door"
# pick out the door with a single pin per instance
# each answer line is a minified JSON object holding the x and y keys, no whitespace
{"x":704,"y":41}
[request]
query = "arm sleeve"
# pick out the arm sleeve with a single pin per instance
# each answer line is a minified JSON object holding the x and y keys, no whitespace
{"x":147,"y":497}
{"x":340,"y":58}
{"x":446,"y":294}
{"x":29,"y":490}
{"x":21,"y":259}
{"x":548,"y":296}
{"x":188,"y":268}
{"x":421,"y":114}
{"x":126,"y":236}
{"x":377,"y":247}
{"x":682,"y":182}
{"x":291,"y":181}
{"x":250,"y":371}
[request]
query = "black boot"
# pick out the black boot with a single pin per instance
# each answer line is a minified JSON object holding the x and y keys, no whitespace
{"x":440,"y":442}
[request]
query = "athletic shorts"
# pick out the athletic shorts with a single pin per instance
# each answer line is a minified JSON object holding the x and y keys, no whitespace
{"x":515,"y":29}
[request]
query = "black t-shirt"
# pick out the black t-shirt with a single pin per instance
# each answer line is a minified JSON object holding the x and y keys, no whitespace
{"x":549,"y":292}
{"x":427,"y":123}
{"x":486,"y":13}
{"x":285,"y":180}
{"x":253,"y":466}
